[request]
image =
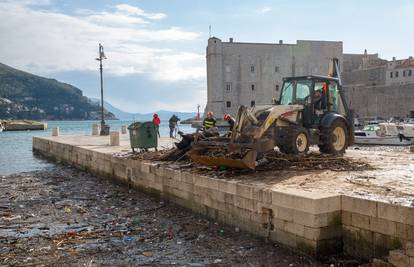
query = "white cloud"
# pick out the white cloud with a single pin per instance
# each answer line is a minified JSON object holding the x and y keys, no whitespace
{"x":132,"y":10}
{"x":264,"y":10}
{"x":46,"y":41}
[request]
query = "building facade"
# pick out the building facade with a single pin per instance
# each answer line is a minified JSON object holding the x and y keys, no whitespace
{"x":251,"y":73}
{"x":400,"y":72}
{"x":378,"y":88}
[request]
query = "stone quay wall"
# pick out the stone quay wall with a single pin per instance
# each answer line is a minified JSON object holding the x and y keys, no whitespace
{"x":314,"y":222}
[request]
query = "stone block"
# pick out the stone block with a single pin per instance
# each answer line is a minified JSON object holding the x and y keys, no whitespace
{"x":201,"y":181}
{"x":263,"y":195}
{"x":228,"y":198}
{"x":227,"y":186}
{"x":160,"y":171}
{"x":306,"y":201}
{"x":295,"y":228}
{"x":359,"y":205}
{"x":95,"y":129}
{"x":398,"y":258}
{"x":357,"y":242}
{"x":244,"y":203}
{"x":145,"y":167}
{"x":382,"y":226}
{"x":217,"y":195}
{"x":396,"y":213}
{"x":114,"y":138}
{"x":405,"y":231}
{"x":181,"y":194}
{"x":322,"y":233}
{"x":317,"y":220}
{"x":283,"y":237}
{"x":210,"y":202}
{"x":186,"y":177}
{"x":283,"y":213}
{"x":346,"y":217}
{"x":360,"y":221}
{"x":211,"y":183}
{"x":244,"y":190}
{"x":200,"y":191}
{"x":277,"y":223}
{"x":186,"y":187}
{"x":237,"y":212}
{"x":55,"y":131}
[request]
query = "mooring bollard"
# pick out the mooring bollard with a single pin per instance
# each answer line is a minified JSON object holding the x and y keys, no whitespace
{"x":114,"y":138}
{"x":95,"y":129}
{"x":124,"y":129}
{"x":55,"y":131}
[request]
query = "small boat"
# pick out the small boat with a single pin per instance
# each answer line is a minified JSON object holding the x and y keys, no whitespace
{"x":388,"y":134}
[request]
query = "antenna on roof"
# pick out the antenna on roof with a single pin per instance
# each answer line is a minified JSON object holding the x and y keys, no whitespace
{"x":209,"y":30}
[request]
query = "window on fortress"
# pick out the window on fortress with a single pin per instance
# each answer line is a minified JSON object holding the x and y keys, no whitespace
{"x":404,"y":73}
{"x":228,"y":104}
{"x":396,"y":74}
{"x":276,"y":69}
{"x":228,"y":87}
{"x":252,"y":103}
{"x":252,"y":68}
{"x":410,"y":72}
{"x":252,"y":87}
{"x":277,"y":87}
{"x":391,"y":74}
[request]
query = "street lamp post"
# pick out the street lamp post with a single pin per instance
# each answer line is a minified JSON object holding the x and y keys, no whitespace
{"x":104,"y":127}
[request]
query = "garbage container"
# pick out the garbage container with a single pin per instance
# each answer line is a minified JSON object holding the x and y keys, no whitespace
{"x":143,"y":135}
{"x":104,"y":129}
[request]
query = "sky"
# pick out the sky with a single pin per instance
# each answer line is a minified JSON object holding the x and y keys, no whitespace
{"x":156,"y":48}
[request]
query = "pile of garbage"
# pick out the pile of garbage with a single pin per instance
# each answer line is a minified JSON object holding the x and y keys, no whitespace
{"x":311,"y":161}
{"x":65,"y":217}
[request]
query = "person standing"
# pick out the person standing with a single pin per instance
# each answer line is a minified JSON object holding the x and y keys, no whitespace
{"x":156,"y":120}
{"x":231,"y":121}
{"x":172,"y":123}
{"x":209,"y":121}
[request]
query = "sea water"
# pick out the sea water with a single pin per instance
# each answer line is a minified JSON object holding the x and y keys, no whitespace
{"x":16,"y":147}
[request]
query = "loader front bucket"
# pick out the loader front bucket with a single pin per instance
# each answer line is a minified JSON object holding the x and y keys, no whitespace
{"x":247,"y":162}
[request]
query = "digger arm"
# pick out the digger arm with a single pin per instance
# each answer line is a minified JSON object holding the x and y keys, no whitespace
{"x":280,"y":112}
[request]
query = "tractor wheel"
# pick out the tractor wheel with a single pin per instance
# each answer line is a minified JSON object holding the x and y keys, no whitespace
{"x":334,"y":138}
{"x":296,"y":141}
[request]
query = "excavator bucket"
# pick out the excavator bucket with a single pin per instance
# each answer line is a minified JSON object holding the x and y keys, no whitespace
{"x":248,"y":161}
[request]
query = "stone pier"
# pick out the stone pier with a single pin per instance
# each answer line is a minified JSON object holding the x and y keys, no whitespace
{"x":318,"y":212}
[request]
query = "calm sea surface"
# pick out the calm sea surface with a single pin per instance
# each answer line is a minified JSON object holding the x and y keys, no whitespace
{"x":16,"y":147}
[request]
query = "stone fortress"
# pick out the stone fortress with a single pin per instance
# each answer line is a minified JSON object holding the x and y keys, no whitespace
{"x":251,"y":74}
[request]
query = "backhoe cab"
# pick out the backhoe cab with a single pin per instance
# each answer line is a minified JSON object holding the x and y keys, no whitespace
{"x":323,"y":119}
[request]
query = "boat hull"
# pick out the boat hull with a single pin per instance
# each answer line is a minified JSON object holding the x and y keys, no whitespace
{"x":386,"y":141}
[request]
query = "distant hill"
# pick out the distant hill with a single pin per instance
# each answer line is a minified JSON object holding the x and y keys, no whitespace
{"x":27,"y":96}
{"x":164,"y":114}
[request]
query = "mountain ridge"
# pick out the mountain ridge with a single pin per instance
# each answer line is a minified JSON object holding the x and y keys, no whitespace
{"x":28,"y":96}
{"x":163,"y":114}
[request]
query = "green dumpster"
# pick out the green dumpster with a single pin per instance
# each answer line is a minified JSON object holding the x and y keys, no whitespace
{"x":143,"y":135}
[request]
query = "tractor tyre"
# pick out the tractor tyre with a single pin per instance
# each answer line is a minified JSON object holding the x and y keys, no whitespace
{"x":334,"y":138}
{"x":296,"y":141}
